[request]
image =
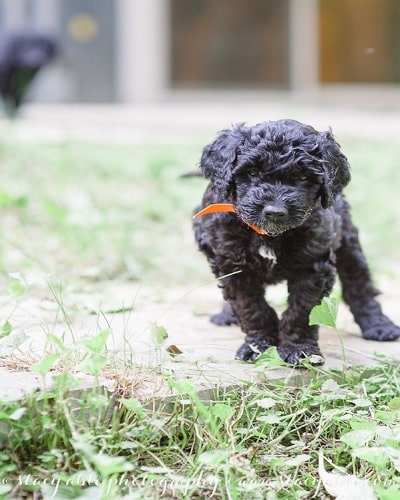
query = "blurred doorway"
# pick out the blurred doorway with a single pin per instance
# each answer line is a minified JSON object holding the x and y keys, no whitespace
{"x":359,"y":41}
{"x":87,"y":37}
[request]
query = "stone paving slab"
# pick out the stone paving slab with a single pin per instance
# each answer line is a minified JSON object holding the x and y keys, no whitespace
{"x":207,"y":357}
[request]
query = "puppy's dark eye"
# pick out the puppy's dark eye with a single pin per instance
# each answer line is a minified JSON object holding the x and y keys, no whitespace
{"x":252,"y":172}
{"x":303,"y":177}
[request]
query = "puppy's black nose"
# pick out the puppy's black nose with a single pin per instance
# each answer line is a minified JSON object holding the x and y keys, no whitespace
{"x":274,"y":212}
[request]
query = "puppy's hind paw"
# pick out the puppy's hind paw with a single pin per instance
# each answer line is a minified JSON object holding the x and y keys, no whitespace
{"x":301,"y":354}
{"x":251,"y":349}
{"x":225,"y":317}
{"x":383,"y":330}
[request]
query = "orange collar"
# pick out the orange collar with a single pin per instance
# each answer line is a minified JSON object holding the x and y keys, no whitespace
{"x":226,"y":207}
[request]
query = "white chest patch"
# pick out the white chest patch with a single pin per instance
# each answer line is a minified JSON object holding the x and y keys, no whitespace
{"x":267,"y":253}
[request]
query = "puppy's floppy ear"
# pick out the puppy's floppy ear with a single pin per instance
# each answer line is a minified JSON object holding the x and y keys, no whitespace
{"x":218,"y":159}
{"x":336,"y":169}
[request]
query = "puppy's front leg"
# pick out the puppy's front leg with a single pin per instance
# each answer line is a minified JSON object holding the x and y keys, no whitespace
{"x":297,"y":339}
{"x":245,"y":294}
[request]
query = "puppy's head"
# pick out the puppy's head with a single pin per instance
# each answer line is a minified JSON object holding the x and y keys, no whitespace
{"x":275,"y":173}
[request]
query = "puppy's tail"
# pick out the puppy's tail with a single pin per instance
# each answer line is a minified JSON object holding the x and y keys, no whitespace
{"x":193,"y":173}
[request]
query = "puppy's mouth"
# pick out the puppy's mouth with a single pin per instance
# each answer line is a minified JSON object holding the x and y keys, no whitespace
{"x":274,"y":229}
{"x":276,"y":225}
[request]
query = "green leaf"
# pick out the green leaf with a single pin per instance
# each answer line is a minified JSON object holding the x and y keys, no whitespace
{"x":16,"y":287}
{"x":345,"y":486}
{"x":364,"y":425}
{"x":270,"y":419}
{"x":18,"y":413}
{"x":97,"y":343}
{"x":56,"y":341}
{"x":330,"y":385}
{"x":222,"y":411}
{"x":357,"y":439}
{"x":375,"y":455}
{"x":5,"y":488}
{"x":296,"y":461}
{"x":6,"y":330}
{"x":159,"y":333}
{"x":134,"y":405}
{"x":388,"y":494}
{"x":108,"y":466}
{"x":214,"y":457}
{"x":266,"y":403}
{"x":12,"y":342}
{"x":270,"y":357}
{"x":394,"y":404}
{"x":362,"y":402}
{"x":386,"y":416}
{"x":55,"y":210}
{"x":93,"y":364}
{"x":45,"y":365}
{"x":325,"y":313}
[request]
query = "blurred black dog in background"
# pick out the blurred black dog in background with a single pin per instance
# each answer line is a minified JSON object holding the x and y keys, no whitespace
{"x":22,"y":56}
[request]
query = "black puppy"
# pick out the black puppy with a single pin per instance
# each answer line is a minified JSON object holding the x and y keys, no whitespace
{"x":22,"y":55}
{"x":283,"y":181}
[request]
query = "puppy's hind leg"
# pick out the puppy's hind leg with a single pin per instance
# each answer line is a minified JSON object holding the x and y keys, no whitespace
{"x":225,"y":317}
{"x":358,"y":290}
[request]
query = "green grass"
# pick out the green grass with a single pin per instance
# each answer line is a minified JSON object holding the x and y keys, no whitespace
{"x":106,"y":211}
{"x":103,"y":211}
{"x":262,"y":441}
{"x":84,"y":213}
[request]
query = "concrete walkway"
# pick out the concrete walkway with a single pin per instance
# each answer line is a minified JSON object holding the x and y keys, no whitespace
{"x":207,"y":351}
{"x":179,"y":119}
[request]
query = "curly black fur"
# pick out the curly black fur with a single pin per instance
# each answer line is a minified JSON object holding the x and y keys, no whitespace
{"x":286,"y":178}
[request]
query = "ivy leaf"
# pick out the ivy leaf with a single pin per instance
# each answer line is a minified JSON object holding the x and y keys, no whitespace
{"x":222,"y":411}
{"x":159,"y":334}
{"x":97,"y":343}
{"x":45,"y":365}
{"x":358,"y":438}
{"x":394,"y":404}
{"x":297,"y":461}
{"x":133,"y":405}
{"x":376,"y":455}
{"x":213,"y":458}
{"x":266,"y":403}
{"x":325,"y":313}
{"x":270,"y":357}
{"x":344,"y":486}
{"x":6,"y":330}
{"x":110,"y":465}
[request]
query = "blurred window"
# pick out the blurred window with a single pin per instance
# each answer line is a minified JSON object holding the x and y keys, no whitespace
{"x":229,"y":43}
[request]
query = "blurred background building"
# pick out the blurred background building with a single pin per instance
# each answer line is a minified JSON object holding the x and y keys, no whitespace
{"x":146,"y":50}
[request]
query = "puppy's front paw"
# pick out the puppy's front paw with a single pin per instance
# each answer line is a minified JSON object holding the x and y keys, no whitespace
{"x":294,"y":354}
{"x":251,"y":349}
{"x":382,"y":330}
